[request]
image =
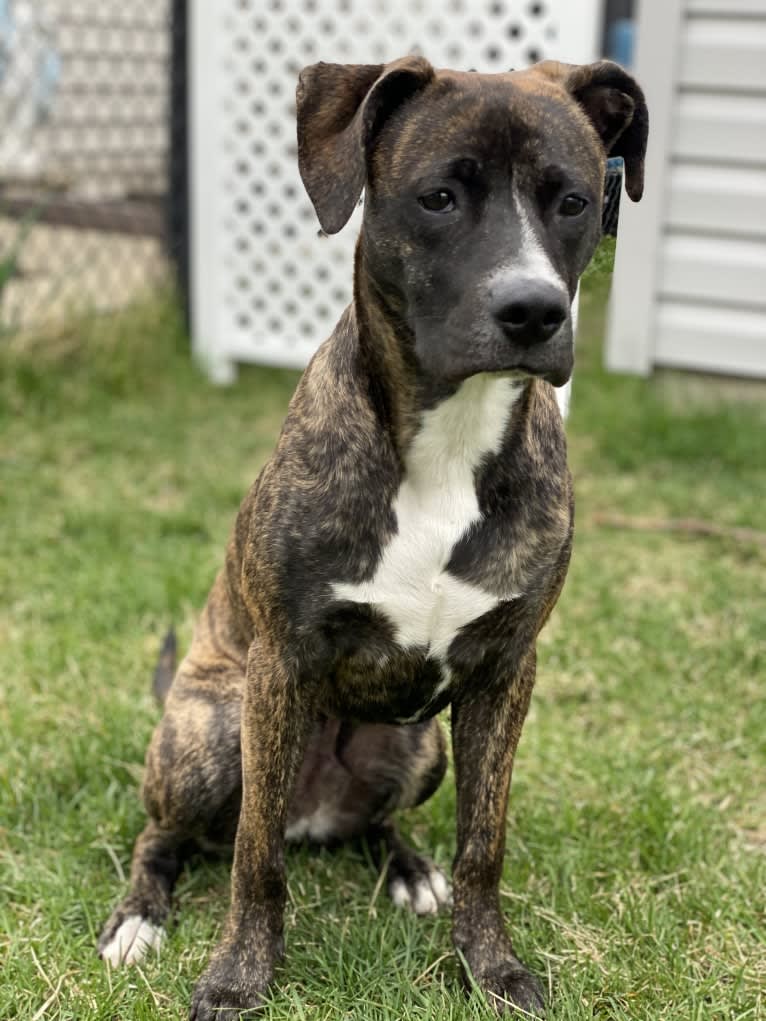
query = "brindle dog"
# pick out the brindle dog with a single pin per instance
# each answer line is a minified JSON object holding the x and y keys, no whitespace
{"x":410,"y":535}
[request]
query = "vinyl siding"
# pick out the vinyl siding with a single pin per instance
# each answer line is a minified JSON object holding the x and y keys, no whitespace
{"x":704,"y":301}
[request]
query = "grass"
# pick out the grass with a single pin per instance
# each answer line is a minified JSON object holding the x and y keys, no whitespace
{"x":635,"y":862}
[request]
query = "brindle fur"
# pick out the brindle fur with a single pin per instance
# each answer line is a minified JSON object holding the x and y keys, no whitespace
{"x":277,"y":660}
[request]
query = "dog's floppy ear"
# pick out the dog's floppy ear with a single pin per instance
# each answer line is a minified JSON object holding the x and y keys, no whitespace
{"x":616,"y":106}
{"x":340,"y":108}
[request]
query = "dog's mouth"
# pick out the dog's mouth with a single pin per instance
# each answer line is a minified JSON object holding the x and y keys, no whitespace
{"x":558,"y":376}
{"x":552,"y":360}
{"x":553,"y":364}
{"x":452,"y":358}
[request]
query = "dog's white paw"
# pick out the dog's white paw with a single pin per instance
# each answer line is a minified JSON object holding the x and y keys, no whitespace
{"x":134,"y":939}
{"x":423,"y":894}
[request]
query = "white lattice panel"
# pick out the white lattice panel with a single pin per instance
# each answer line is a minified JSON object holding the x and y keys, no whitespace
{"x":266,"y":286}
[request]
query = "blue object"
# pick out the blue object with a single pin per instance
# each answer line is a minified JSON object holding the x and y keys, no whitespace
{"x":620,"y":41}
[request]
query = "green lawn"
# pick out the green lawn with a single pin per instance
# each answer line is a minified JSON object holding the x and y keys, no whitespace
{"x":636,"y":864}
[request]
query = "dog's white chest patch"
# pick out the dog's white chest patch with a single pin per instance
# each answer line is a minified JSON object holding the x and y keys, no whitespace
{"x":435,"y":506}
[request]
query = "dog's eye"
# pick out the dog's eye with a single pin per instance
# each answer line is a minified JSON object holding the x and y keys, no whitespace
{"x":441,"y":201}
{"x":572,"y":205}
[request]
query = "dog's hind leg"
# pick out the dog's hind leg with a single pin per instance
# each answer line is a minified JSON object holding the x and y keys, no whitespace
{"x":412,"y":879}
{"x":403,"y":765}
{"x":192,"y":792}
{"x":192,"y":783}
{"x":353,"y":777}
{"x":136,"y":925}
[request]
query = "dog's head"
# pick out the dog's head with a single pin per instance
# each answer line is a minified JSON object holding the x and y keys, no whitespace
{"x":482,"y":196}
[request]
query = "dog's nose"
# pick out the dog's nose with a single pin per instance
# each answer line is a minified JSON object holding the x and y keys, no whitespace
{"x":530,"y":311}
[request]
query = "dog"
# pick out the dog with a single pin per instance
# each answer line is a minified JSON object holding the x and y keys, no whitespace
{"x":411,"y":533}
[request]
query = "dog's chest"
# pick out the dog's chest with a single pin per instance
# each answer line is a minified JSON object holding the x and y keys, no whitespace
{"x":437,"y":506}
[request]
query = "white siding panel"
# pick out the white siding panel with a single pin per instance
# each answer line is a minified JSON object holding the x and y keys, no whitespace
{"x":724,"y":53}
{"x":730,"y":271}
{"x":720,"y":8}
{"x":630,"y":328}
{"x":710,"y":126}
{"x":716,"y":340}
{"x":703,"y":231}
{"x":729,"y":200}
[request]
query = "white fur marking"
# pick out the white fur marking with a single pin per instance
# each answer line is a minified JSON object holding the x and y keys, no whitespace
{"x":440,"y":886}
{"x":322,"y":824}
{"x":532,"y":260}
{"x":400,"y":895}
{"x":425,"y":897}
{"x":318,"y":826}
{"x":435,"y":506}
{"x":297,"y":830}
{"x":564,"y":393}
{"x":563,"y":396}
{"x":132,"y":941}
{"x":425,"y":901}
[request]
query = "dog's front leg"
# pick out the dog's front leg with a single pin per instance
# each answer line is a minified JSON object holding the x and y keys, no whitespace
{"x":275,"y":724}
{"x":486,"y":727}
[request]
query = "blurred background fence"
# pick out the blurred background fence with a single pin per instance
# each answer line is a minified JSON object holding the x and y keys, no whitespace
{"x":92,"y":155}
